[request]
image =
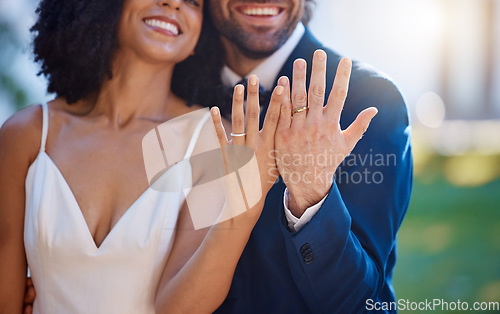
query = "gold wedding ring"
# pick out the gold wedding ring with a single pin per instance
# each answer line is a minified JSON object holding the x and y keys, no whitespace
{"x":238,"y":134}
{"x":299,"y":110}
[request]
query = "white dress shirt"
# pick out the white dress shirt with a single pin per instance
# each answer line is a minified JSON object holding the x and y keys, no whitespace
{"x":267,"y":71}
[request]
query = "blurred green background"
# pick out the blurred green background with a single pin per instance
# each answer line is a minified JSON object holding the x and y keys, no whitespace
{"x":445,"y":56}
{"x":449,"y":244}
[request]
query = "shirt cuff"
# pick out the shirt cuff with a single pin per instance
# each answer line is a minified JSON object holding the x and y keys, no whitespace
{"x":294,"y":223}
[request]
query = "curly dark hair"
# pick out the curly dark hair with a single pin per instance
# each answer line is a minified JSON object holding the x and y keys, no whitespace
{"x":74,"y":42}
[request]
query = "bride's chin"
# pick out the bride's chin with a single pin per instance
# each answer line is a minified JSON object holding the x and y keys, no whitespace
{"x":157,"y":58}
{"x":154,"y":52}
{"x":168,"y":57}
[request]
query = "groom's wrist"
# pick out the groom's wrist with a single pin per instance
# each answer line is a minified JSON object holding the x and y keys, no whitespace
{"x":299,"y":201}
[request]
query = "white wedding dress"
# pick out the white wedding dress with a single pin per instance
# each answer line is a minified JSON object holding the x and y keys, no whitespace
{"x":70,"y":273}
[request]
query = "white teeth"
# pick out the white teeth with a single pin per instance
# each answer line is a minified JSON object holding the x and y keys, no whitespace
{"x":164,"y":25}
{"x":261,"y":11}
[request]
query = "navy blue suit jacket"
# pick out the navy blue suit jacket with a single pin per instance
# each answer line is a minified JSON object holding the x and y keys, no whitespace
{"x":346,"y":253}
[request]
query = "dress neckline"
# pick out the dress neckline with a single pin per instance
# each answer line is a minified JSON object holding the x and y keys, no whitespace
{"x":77,"y":207}
{"x":65,"y":183}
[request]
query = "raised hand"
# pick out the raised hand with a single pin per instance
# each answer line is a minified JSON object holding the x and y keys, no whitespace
{"x":262,"y":173}
{"x":310,"y":144}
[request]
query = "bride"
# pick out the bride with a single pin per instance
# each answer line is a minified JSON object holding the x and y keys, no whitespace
{"x":76,"y":205}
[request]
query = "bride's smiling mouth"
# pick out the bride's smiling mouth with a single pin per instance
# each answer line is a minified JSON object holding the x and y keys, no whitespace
{"x":163,"y":25}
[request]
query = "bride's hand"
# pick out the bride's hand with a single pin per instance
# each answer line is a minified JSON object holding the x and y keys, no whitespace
{"x":254,"y":143}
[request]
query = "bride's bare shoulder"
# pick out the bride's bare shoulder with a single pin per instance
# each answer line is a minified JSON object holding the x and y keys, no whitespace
{"x":20,"y":135}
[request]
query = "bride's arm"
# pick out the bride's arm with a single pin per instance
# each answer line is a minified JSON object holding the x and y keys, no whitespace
{"x":19,"y":140}
{"x":199,"y":282}
{"x":202,"y":283}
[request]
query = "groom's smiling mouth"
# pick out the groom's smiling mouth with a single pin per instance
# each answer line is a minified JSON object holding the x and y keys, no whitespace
{"x":262,"y":11}
{"x":260,"y":14}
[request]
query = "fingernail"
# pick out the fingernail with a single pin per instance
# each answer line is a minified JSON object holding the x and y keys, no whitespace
{"x":301,"y":64}
{"x":252,"y":80}
{"x":239,"y":89}
{"x":279,"y":90}
{"x":215,"y":110}
{"x":347,"y":62}
{"x":321,"y":55}
{"x":282,"y":81}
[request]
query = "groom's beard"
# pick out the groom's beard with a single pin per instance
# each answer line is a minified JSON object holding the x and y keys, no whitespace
{"x":259,"y":41}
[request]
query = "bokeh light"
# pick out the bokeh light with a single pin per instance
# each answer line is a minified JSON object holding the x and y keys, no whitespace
{"x":430,"y":110}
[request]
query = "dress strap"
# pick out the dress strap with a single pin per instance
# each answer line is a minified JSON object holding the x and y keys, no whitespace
{"x":196,"y":134}
{"x":45,"y":126}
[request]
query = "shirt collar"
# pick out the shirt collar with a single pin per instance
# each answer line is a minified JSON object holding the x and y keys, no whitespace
{"x":268,"y":69}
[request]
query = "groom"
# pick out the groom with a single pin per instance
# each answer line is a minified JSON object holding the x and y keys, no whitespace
{"x":318,"y":248}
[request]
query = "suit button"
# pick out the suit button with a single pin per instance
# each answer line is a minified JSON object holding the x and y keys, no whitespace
{"x":307,"y":253}
{"x":304,"y":248}
{"x":309,"y":257}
